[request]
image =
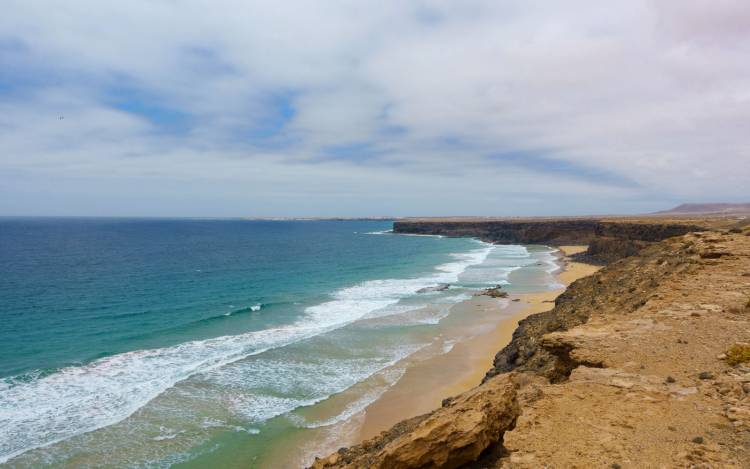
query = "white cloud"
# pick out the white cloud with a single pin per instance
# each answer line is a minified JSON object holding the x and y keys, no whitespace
{"x":643,"y":103}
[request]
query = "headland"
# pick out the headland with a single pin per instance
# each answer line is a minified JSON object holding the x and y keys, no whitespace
{"x":643,"y":363}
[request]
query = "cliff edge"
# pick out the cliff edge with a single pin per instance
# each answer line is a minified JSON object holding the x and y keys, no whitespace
{"x":608,"y":239}
{"x":645,"y":363}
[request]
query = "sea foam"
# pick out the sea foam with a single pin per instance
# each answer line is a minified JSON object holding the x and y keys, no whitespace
{"x":78,"y":399}
{"x":260,"y":390}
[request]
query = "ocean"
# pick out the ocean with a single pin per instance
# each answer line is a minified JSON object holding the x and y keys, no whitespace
{"x":224,"y":343}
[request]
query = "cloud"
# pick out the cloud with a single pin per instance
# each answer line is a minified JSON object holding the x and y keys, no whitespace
{"x":354,"y":108}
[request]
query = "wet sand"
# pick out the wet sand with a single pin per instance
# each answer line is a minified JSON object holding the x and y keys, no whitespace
{"x":425,"y":384}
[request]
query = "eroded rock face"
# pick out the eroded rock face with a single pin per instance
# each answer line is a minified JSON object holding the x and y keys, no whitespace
{"x":605,"y":250}
{"x":619,"y":289}
{"x":608,"y":241}
{"x":645,"y":376}
{"x":449,"y":437}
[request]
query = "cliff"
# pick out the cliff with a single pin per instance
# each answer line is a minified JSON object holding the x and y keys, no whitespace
{"x":644,"y":364}
{"x":607,"y":240}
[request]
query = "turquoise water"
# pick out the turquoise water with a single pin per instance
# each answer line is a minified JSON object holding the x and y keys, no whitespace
{"x":154,"y":343}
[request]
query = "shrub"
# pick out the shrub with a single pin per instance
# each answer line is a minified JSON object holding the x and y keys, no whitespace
{"x":738,"y":353}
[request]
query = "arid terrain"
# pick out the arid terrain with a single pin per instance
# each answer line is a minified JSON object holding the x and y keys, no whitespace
{"x":645,"y":363}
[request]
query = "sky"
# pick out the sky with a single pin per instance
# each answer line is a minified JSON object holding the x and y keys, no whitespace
{"x":228,"y":108}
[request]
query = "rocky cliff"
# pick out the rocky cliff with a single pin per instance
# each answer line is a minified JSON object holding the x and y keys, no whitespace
{"x":643,"y":364}
{"x":607,"y":240}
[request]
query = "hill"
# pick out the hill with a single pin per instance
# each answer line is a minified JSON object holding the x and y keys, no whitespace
{"x":725,"y":209}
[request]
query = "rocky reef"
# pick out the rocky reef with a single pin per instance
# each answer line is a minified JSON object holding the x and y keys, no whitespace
{"x":494,"y":292}
{"x":642,"y":364}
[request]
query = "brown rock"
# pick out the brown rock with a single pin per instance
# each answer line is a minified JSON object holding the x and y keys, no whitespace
{"x":451,"y":436}
{"x":495,"y":292}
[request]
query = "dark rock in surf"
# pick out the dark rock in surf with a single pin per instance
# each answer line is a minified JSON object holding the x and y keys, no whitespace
{"x":494,"y":292}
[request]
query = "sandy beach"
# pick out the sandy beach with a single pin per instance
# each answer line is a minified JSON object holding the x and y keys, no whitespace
{"x":426,"y":383}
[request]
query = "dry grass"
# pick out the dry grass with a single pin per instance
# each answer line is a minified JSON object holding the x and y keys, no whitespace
{"x":738,"y":353}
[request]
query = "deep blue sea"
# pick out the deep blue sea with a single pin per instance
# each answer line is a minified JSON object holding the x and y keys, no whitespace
{"x":155,"y":343}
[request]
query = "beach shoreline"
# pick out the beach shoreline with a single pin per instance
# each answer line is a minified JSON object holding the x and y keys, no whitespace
{"x":426,"y":384}
{"x":457,"y":360}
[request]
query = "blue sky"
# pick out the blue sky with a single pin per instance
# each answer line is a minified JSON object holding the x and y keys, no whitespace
{"x":261,"y":108}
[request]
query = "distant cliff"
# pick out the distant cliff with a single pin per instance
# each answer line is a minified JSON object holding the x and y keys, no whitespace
{"x":607,"y":240}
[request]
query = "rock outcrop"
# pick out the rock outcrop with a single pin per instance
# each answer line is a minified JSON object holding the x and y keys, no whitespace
{"x":646,"y":374}
{"x":643,"y":364}
{"x":454,"y":435}
{"x":494,"y":292}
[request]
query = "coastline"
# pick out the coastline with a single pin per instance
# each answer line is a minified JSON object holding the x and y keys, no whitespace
{"x":425,"y":384}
